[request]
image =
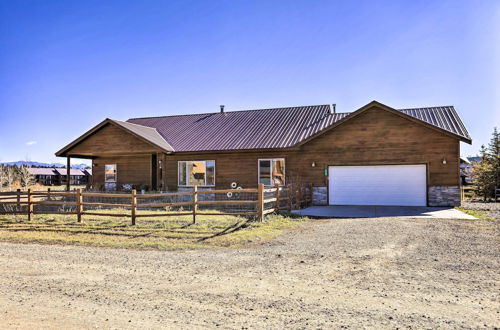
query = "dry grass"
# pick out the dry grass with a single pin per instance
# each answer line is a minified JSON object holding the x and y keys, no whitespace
{"x":175,"y":232}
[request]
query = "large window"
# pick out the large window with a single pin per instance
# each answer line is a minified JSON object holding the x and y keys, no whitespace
{"x":110,"y":173}
{"x":272,"y":171}
{"x":197,"y":173}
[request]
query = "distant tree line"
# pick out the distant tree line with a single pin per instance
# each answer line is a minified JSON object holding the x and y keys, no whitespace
{"x":13,"y":177}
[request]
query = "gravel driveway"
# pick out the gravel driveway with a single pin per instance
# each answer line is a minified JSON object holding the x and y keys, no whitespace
{"x":352,"y":273}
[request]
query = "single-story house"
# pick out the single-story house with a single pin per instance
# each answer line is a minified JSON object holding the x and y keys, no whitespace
{"x":376,"y":155}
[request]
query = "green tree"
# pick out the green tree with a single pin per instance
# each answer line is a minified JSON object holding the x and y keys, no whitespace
{"x":487,"y":172}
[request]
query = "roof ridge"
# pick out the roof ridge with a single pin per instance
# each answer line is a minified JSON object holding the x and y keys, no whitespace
{"x":215,"y":113}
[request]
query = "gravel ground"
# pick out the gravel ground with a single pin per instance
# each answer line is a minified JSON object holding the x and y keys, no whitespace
{"x":352,"y":273}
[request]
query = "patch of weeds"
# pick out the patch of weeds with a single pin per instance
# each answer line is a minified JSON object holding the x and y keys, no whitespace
{"x":476,"y":213}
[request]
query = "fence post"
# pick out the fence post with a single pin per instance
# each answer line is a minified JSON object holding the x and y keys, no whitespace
{"x":297,"y":198}
{"x":79,"y":204}
{"x":260,"y":204}
{"x":277,"y":198}
{"x":133,"y":208}
{"x":30,"y":206}
{"x":289,"y":195}
{"x":48,"y":194}
{"x":195,"y":202}
{"x":18,"y":197}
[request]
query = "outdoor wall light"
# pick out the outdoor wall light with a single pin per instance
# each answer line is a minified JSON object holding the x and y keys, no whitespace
{"x":313,"y":164}
{"x":444,"y":161}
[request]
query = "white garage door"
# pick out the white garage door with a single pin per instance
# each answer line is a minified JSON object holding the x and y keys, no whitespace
{"x":403,"y":185}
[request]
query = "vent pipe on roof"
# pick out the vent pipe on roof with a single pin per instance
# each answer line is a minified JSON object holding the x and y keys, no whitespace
{"x":221,"y":108}
{"x":332,"y":108}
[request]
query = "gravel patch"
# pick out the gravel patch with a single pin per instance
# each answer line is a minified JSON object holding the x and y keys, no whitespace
{"x":352,"y":273}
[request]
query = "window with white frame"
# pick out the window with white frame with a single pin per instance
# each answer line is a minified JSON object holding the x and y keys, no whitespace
{"x":196,"y":173}
{"x":272,"y":171}
{"x":110,"y":173}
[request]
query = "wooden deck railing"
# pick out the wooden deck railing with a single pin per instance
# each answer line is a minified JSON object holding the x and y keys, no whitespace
{"x":268,"y":200}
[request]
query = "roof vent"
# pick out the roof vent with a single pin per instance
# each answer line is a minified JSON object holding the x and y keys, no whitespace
{"x":221,"y":108}
{"x":332,"y":108}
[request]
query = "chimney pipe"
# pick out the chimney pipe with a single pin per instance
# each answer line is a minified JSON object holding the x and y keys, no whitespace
{"x":333,"y":108}
{"x":221,"y":108}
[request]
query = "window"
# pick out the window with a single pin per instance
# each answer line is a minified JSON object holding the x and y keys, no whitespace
{"x":110,"y":173}
{"x":272,"y":171}
{"x":197,"y":173}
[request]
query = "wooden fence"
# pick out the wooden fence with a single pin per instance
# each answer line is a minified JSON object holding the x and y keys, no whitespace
{"x":267,"y":200}
{"x":467,"y":192}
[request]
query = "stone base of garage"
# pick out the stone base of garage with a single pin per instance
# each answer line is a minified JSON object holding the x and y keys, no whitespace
{"x":319,"y":196}
{"x":444,"y":196}
{"x":437,"y":196}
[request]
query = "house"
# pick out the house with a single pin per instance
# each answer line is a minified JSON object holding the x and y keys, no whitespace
{"x":44,"y":176}
{"x":57,"y":176}
{"x":77,"y":176}
{"x":466,"y":166}
{"x":375,"y":155}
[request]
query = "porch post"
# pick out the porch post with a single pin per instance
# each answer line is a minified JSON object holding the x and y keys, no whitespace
{"x":68,"y":166}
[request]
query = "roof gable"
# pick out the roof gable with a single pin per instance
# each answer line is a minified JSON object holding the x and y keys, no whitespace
{"x":442,"y":119}
{"x":148,"y":135}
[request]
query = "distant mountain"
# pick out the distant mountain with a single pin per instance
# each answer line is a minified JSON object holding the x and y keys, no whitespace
{"x":38,"y":164}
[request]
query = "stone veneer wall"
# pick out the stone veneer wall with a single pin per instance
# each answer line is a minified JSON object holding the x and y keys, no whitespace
{"x":444,"y":196}
{"x":320,"y":196}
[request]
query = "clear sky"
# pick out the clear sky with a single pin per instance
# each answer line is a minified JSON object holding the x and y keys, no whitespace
{"x":67,"y":65}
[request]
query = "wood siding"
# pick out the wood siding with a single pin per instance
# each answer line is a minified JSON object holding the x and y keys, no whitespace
{"x":133,"y":170}
{"x":111,"y":140}
{"x":379,"y":137}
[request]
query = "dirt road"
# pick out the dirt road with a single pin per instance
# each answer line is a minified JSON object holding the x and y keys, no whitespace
{"x":334,"y":273}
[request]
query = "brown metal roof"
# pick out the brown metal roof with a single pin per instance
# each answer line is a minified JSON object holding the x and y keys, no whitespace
{"x":271,"y":128}
{"x":445,"y":117}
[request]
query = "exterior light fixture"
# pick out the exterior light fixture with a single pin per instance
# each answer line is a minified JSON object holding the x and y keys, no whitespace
{"x":444,"y":161}
{"x":313,"y":164}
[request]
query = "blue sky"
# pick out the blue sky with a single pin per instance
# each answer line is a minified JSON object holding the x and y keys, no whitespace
{"x":67,"y":65}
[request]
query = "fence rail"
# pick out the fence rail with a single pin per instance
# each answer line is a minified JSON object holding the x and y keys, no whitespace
{"x":264,"y":201}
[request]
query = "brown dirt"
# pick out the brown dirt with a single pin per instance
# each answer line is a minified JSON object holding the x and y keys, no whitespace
{"x":377,"y":273}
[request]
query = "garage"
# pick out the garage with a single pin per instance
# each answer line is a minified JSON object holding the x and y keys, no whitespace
{"x":398,"y":185}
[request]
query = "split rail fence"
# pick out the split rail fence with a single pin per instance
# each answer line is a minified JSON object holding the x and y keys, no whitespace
{"x":254,"y":203}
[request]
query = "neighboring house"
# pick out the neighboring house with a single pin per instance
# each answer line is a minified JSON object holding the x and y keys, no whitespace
{"x":375,"y":155}
{"x":466,"y":165}
{"x":57,"y":176}
{"x":77,"y":176}
{"x":44,"y":176}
